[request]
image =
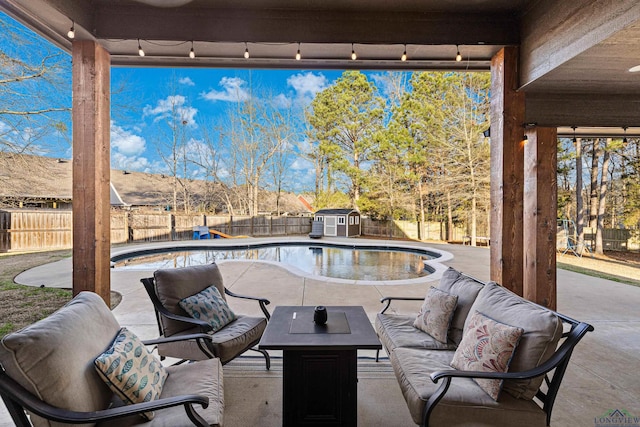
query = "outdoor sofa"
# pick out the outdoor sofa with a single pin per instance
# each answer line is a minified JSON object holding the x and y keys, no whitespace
{"x":510,"y":354}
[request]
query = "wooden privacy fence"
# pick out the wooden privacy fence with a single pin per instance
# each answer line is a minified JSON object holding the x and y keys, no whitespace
{"x":33,"y":230}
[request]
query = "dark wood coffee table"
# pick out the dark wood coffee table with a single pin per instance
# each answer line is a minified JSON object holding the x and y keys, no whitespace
{"x":319,"y":362}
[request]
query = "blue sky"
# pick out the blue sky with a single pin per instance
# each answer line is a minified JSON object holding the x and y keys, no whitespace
{"x":142,"y":98}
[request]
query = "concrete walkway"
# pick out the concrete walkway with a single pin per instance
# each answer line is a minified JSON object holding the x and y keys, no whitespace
{"x":602,"y":375}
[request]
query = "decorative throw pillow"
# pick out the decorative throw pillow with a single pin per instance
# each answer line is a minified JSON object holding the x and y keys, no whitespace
{"x":131,"y":371}
{"x":486,"y":346}
{"x":436,"y":313}
{"x":209,"y":306}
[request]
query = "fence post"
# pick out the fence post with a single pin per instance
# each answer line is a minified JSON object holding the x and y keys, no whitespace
{"x":172,"y":227}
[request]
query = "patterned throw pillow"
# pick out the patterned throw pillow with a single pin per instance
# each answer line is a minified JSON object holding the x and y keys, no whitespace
{"x":131,"y":371}
{"x":486,"y":346}
{"x":436,"y":313}
{"x":209,"y":306}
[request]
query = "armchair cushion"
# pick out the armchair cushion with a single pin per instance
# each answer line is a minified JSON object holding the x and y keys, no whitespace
{"x":209,"y":306}
{"x":436,"y":312}
{"x":175,"y":284}
{"x":131,"y":371}
{"x":486,"y":346}
{"x":53,"y":358}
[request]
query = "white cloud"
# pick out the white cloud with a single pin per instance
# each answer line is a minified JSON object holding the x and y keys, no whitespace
{"x":301,"y":164}
{"x":186,"y":81}
{"x":172,"y":106}
{"x":307,"y":85}
{"x":282,"y":101}
{"x":132,"y":163}
{"x":125,"y":142}
{"x":233,"y":90}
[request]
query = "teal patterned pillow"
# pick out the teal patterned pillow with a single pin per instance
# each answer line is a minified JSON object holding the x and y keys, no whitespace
{"x":131,"y":371}
{"x":209,"y":306}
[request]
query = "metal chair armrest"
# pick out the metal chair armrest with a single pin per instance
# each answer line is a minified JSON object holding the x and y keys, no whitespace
{"x":13,"y":391}
{"x":262,"y":301}
{"x":389,"y":299}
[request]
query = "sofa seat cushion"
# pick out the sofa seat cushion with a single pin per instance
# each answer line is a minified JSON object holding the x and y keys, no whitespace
{"x":53,"y":358}
{"x":464,"y":403}
{"x":397,"y":330}
{"x":228,"y":342}
{"x":185,"y":379}
{"x":467,"y":290}
{"x":542,"y":331}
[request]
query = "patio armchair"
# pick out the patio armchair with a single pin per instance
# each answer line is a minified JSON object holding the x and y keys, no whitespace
{"x":47,"y":370}
{"x":168,"y":287}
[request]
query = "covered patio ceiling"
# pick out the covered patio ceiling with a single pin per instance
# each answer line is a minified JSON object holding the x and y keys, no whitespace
{"x":575,"y":55}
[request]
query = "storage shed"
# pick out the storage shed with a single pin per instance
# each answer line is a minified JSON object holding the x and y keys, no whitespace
{"x":339,"y":222}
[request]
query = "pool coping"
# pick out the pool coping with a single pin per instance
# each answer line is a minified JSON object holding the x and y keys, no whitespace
{"x":435,"y":265}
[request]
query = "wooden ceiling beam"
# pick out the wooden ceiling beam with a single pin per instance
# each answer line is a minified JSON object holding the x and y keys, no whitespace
{"x":278,"y":26}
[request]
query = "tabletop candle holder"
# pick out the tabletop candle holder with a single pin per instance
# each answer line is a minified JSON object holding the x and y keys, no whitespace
{"x":320,"y":315}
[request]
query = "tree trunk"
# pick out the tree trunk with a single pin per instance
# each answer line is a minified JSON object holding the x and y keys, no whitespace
{"x":604,"y":183}
{"x":579,"y":207}
{"x":593,"y":192}
{"x":474,"y":220}
{"x":449,"y":218}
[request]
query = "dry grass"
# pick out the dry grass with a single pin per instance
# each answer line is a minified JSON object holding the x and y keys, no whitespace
{"x":23,"y":305}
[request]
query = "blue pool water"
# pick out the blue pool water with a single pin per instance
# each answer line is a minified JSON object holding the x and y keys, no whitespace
{"x":360,"y":263}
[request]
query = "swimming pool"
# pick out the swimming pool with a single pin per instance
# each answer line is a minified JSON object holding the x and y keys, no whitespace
{"x":363,"y":263}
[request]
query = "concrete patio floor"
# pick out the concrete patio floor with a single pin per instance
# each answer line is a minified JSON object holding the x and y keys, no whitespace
{"x":602,"y":375}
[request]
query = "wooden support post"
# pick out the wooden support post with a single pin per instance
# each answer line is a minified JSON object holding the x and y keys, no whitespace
{"x":507,"y":171}
{"x":91,"y":170}
{"x":540,"y":213}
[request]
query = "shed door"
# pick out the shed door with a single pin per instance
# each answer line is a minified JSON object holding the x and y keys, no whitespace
{"x":330,"y":228}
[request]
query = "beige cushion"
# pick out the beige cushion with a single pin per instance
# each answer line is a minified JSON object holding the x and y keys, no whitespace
{"x":130,"y":370}
{"x":237,"y":336}
{"x":436,"y":313}
{"x":465,"y":403}
{"x":202,"y":378}
{"x":542,"y":330}
{"x":174,"y":284}
{"x":486,"y":346}
{"x":53,"y":358}
{"x":208,"y":305}
{"x":467,"y":290}
{"x":397,"y":330}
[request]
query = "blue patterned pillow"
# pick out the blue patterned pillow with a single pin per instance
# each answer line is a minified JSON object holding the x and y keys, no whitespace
{"x":209,"y":306}
{"x":131,"y":371}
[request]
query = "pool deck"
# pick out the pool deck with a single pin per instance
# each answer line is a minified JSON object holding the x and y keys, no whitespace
{"x":602,"y":375}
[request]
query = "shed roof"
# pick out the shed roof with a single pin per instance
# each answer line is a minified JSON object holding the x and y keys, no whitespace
{"x":335,"y":211}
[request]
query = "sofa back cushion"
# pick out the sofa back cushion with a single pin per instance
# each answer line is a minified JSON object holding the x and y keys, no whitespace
{"x":53,"y":358}
{"x":455,"y":283}
{"x":542,"y":331}
{"x":174,"y":284}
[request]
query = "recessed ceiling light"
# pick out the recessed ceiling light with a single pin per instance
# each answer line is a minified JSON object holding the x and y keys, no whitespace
{"x":634,"y":69}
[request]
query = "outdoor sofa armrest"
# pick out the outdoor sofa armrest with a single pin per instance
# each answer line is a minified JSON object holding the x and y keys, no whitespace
{"x":16,"y":394}
{"x":558,"y":362}
{"x":389,"y":299}
{"x":262,"y":301}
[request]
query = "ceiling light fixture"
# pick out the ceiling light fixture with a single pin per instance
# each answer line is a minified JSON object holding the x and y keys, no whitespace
{"x":404,"y":54}
{"x":625,"y":134}
{"x":192,"y":53}
{"x":634,"y":69}
{"x":140,"y":51}
{"x":353,"y":53}
{"x":458,"y":56}
{"x":246,"y":51}
{"x":298,"y":56}
{"x":72,"y":32}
